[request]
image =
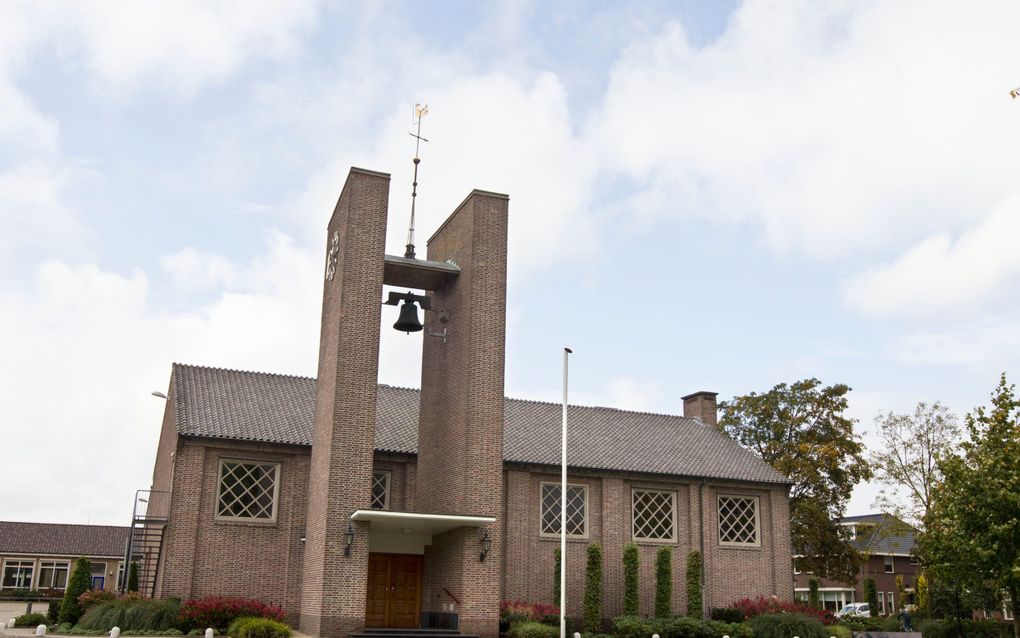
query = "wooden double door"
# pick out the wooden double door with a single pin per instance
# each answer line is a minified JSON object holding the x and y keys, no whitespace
{"x":394,"y":590}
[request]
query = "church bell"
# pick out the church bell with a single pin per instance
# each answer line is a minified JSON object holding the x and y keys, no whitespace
{"x":408,"y":320}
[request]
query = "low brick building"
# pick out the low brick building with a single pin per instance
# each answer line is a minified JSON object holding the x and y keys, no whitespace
{"x":40,"y":556}
{"x":354,"y":504}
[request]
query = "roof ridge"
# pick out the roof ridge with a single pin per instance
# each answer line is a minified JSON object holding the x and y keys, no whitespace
{"x":177,"y":364}
{"x":605,"y":407}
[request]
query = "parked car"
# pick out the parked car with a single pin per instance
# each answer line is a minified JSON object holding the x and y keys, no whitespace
{"x":855,"y":609}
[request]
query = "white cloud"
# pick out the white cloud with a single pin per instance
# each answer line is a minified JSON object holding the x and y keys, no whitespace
{"x":940,"y":275}
{"x":192,"y":268}
{"x":837,"y":128}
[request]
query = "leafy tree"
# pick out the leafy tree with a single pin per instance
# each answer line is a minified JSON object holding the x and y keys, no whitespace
{"x":695,"y":605}
{"x":664,"y":582}
{"x":557,"y":562}
{"x":630,"y":580}
{"x":593,"y":590}
{"x":907,"y":458}
{"x":801,"y":430}
{"x":812,"y":598}
{"x":81,"y":582}
{"x":132,"y":584}
{"x":871,"y":595}
{"x":972,"y":531}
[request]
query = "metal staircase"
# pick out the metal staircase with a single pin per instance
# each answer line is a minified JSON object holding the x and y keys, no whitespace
{"x":149,"y":517}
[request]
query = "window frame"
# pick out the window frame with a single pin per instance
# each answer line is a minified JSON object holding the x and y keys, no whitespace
{"x":55,"y":566}
{"x":22,"y":563}
{"x":889,"y":564}
{"x":386,"y":494}
{"x":756,"y":499}
{"x":541,"y":509}
{"x":226,"y":518}
{"x":633,"y":519}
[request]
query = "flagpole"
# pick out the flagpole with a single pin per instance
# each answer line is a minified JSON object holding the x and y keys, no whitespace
{"x":563,"y":504}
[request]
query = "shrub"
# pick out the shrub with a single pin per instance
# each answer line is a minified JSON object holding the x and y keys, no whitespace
{"x":512,"y":612}
{"x":839,"y":631}
{"x":786,"y":625}
{"x":694,"y":602}
{"x":30,"y":620}
{"x":727,"y":614}
{"x":664,"y":582}
{"x":762,"y":605}
{"x":812,"y":597}
{"x":593,"y":589}
{"x":966,"y":628}
{"x":81,"y":582}
{"x":132,"y":614}
{"x":635,"y":627}
{"x":53,"y":613}
{"x":718,"y":629}
{"x":630,"y":580}
{"x":557,"y":566}
{"x":529,"y":630}
{"x":218,"y":612}
{"x":871,"y":594}
{"x":132,"y":584}
{"x":257,"y":627}
{"x":94,"y":597}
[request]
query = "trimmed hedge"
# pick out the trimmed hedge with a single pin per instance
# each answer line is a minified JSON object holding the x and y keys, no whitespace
{"x":593,"y":590}
{"x":678,"y":627}
{"x":786,"y":625}
{"x":812,"y":599}
{"x":871,"y":594}
{"x":30,"y":620}
{"x":630,"y":580}
{"x":694,"y":602}
{"x":257,"y":627}
{"x":524,"y":630}
{"x":664,"y":582}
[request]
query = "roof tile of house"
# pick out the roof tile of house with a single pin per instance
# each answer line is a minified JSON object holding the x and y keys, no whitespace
{"x":256,"y":406}
{"x":888,"y":534}
{"x":62,"y":539}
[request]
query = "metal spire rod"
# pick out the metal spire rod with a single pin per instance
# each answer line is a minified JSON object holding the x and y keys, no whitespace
{"x":419,"y":111}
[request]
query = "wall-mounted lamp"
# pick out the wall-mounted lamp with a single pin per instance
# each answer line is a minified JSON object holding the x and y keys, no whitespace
{"x":486,"y":546}
{"x":349,"y":540}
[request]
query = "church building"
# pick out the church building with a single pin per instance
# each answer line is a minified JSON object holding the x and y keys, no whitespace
{"x":356,"y":505}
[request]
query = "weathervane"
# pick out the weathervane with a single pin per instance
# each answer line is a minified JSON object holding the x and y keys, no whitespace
{"x":420,"y":110}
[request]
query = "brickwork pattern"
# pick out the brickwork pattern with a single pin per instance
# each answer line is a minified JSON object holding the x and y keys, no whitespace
{"x":333,"y":597}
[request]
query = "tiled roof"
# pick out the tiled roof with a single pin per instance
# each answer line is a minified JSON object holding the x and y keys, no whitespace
{"x":888,"y":535}
{"x":62,"y":539}
{"x":256,"y":406}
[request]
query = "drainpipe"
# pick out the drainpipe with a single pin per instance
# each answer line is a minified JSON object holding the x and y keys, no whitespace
{"x":701,"y":541}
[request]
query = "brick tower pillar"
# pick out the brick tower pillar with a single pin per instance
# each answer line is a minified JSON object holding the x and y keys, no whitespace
{"x":333,"y":589}
{"x":460,"y":435}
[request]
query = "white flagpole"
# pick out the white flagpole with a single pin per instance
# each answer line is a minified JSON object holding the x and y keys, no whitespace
{"x":563,"y":505}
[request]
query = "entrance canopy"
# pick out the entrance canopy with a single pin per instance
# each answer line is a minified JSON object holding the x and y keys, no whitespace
{"x":410,"y":532}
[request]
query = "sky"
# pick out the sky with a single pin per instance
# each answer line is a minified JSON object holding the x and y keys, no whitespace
{"x":704,"y":195}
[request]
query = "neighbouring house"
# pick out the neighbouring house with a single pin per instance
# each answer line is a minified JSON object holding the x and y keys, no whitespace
{"x":354,"y":504}
{"x":40,"y":556}
{"x":888,"y":545}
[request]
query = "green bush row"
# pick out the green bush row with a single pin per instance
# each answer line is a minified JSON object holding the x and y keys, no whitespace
{"x":530,"y":629}
{"x":678,"y":627}
{"x":966,"y":628}
{"x":30,"y":620}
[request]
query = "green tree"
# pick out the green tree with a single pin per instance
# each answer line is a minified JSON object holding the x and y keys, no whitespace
{"x":664,"y":582}
{"x":557,"y":566}
{"x":871,"y":595}
{"x":132,"y":584}
{"x":812,"y":597}
{"x":802,"y":430}
{"x":593,"y":590}
{"x":905,"y":462}
{"x":972,"y":531}
{"x":694,"y":601}
{"x":630,"y":580}
{"x":81,"y":582}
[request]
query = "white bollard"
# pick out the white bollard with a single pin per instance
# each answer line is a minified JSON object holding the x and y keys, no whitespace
{"x":209,"y":632}
{"x":655,"y":635}
{"x":725,"y":636}
{"x":2,"y":627}
{"x":115,"y":632}
{"x":10,"y":623}
{"x":40,"y":630}
{"x":577,"y":634}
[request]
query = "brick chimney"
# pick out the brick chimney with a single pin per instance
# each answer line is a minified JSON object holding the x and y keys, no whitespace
{"x":701,"y":406}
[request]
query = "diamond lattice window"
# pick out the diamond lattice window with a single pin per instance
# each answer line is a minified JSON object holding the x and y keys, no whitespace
{"x":738,"y":520}
{"x":654,"y":515}
{"x":380,"y":490}
{"x":577,"y":506}
{"x":248,"y":490}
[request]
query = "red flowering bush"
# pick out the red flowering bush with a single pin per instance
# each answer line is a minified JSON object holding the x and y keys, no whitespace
{"x":218,"y":612}
{"x":772,"y":605}
{"x":515,"y":611}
